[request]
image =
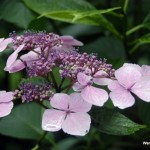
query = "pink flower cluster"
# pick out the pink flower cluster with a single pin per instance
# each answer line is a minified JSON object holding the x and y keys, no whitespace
{"x":88,"y":75}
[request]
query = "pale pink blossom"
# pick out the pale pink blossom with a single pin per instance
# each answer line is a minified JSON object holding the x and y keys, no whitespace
{"x":69,"y":113}
{"x":4,"y":43}
{"x":89,"y":93}
{"x":69,"y":40}
{"x":12,"y":58}
{"x":145,"y":70}
{"x":130,"y":79}
{"x":6,"y":103}
{"x":14,"y":65}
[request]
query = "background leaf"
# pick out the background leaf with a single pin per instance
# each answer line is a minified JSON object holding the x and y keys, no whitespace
{"x":10,"y":11}
{"x":23,"y":122}
{"x":141,"y":41}
{"x":72,"y":11}
{"x":112,"y":122}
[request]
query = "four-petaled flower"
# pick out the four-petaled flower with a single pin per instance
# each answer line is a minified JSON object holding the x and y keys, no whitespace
{"x":69,"y":114}
{"x":131,"y":78}
{"x":6,"y":103}
{"x":89,"y":93}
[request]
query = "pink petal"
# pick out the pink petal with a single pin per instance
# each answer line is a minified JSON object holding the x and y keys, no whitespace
{"x":142,"y":88}
{"x":77,"y":86}
{"x":102,"y":81}
{"x":100,"y":78}
{"x":128,"y":75}
{"x":69,"y":40}
{"x":15,"y":67}
{"x":2,"y":92}
{"x":4,"y":43}
{"x":5,"y":108}
{"x":12,"y":58}
{"x":94,"y":95}
{"x":1,"y":39}
{"x":146,"y":70}
{"x":29,"y":57}
{"x":133,"y":65}
{"x":122,"y":99}
{"x":115,"y":86}
{"x":78,"y":104}
{"x":60,"y":101}
{"x":83,"y":79}
{"x":77,"y":124}
{"x":52,"y":120}
{"x":6,"y":96}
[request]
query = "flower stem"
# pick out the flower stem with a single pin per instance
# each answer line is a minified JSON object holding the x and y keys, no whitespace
{"x":54,"y":81}
{"x":67,"y":87}
{"x":62,"y":81}
{"x":42,"y":105}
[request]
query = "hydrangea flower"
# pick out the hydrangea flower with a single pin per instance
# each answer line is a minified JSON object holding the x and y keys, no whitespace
{"x":69,"y":113}
{"x":4,"y":43}
{"x":14,"y":65}
{"x":130,"y":78}
{"x":6,"y":103}
{"x":89,"y":93}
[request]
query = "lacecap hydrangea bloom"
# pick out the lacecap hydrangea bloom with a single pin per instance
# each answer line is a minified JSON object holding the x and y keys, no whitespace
{"x":90,"y":79}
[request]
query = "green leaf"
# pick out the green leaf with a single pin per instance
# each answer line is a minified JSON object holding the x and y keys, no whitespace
{"x":72,"y":11}
{"x":145,"y":24}
{"x":111,"y":122}
{"x":67,"y":144}
{"x":106,"y":47}
{"x":143,"y":111}
{"x":16,"y":12}
{"x":14,"y":79}
{"x":146,"y":21}
{"x":142,"y":40}
{"x":23,"y":122}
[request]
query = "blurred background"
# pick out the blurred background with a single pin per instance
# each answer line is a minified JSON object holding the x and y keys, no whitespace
{"x":122,"y":35}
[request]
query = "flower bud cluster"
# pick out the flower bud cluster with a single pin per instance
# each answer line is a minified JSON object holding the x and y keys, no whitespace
{"x":32,"y":92}
{"x":75,"y":63}
{"x":33,"y":40}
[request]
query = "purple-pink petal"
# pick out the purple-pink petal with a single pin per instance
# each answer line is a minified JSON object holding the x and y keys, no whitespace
{"x":132,"y":65}
{"x":60,"y":101}
{"x":77,"y":124}
{"x":5,"y":108}
{"x":95,"y":96}
{"x":69,"y":40}
{"x":15,"y":67}
{"x":100,"y":78}
{"x":78,"y":104}
{"x":52,"y":120}
{"x":77,"y":87}
{"x":6,"y":96}
{"x":12,"y":58}
{"x":145,"y":70}
{"x":142,"y":88}
{"x":122,"y":99}
{"x":1,"y":39}
{"x":4,"y":43}
{"x":127,"y":75}
{"x":83,"y":79}
{"x":115,"y":86}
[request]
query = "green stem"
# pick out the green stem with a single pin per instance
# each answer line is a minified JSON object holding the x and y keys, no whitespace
{"x":36,"y":147}
{"x":66,"y":87}
{"x":62,"y":81}
{"x":125,"y":39}
{"x":54,"y":81}
{"x":42,"y":105}
{"x":125,"y":6}
{"x":134,"y":29}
